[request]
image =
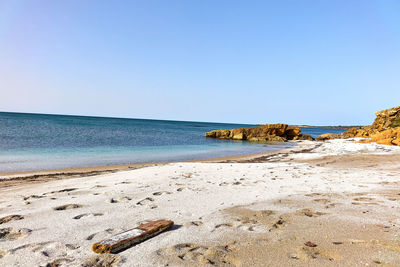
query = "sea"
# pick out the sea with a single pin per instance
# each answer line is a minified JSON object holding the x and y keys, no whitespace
{"x":30,"y":142}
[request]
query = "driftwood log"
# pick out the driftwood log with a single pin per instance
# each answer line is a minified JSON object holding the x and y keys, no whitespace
{"x":132,"y":237}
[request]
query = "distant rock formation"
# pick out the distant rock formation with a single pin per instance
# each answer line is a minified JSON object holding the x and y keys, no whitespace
{"x":270,"y":132}
{"x":385,"y":130}
{"x":328,"y":136}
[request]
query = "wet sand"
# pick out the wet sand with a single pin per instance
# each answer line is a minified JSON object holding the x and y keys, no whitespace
{"x":24,"y":177}
{"x":317,"y":204}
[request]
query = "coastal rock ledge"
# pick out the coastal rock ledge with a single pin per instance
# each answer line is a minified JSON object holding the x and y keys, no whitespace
{"x":270,"y":132}
{"x":385,"y":130}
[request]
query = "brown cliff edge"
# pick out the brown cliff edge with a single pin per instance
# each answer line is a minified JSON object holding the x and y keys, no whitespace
{"x":385,"y":130}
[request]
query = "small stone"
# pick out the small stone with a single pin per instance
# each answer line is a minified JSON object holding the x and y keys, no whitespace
{"x":310,"y":244}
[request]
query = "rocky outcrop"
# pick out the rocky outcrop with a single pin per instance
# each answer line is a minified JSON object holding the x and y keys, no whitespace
{"x":355,"y":132}
{"x":389,"y":118}
{"x":384,"y":130}
{"x":270,"y":132}
{"x":385,"y":119}
{"x":303,"y":137}
{"x":387,"y":137}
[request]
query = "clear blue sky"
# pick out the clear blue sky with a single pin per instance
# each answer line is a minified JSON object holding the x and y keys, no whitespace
{"x":306,"y":62}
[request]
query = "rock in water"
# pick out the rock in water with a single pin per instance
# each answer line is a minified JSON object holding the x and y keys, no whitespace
{"x":304,"y":137}
{"x":328,"y":136}
{"x":270,"y":132}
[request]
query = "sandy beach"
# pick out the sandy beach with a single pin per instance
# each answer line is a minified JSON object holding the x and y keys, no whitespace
{"x":333,"y":203}
{"x":199,"y":133}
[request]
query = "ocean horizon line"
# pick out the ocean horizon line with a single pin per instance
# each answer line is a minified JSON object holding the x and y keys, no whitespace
{"x":124,"y":118}
{"x":175,"y":120}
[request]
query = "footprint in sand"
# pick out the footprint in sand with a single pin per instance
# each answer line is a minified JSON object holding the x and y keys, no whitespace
{"x":90,"y":237}
{"x":250,"y":228}
{"x":50,"y":249}
{"x":58,"y":262}
{"x":246,"y":220}
{"x":364,"y":203}
{"x":309,"y":213}
{"x":87,"y":214}
{"x":72,"y":246}
{"x":194,"y":223}
{"x":11,"y":218}
{"x":161,"y":193}
{"x":102,"y":260}
{"x":35,"y":247}
{"x":263,"y":213}
{"x":99,"y":186}
{"x":322,"y":200}
{"x":145,"y":201}
{"x":332,"y":205}
{"x":195,"y":255}
{"x":68,"y":207}
{"x":306,"y":252}
{"x":33,"y":196}
{"x":222,"y":225}
{"x":187,"y":175}
{"x":8,"y":234}
{"x":121,"y":199}
{"x":108,"y":231}
{"x":62,"y":191}
{"x":363,"y":199}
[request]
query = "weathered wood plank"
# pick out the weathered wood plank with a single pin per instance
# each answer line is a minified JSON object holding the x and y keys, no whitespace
{"x":131,"y":237}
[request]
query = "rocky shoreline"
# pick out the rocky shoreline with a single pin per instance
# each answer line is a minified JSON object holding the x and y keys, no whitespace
{"x":271,"y":132}
{"x":385,"y":130}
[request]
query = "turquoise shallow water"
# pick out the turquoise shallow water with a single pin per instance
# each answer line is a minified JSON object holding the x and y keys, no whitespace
{"x":39,"y":142}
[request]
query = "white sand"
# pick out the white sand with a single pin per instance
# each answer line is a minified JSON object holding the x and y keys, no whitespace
{"x":182,"y":192}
